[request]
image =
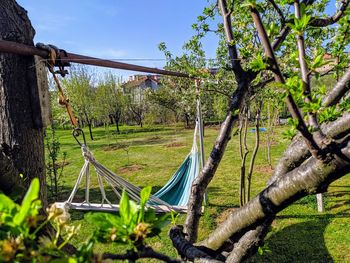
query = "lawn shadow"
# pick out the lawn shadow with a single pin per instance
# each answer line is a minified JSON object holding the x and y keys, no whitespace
{"x":301,"y":242}
{"x":342,"y":200}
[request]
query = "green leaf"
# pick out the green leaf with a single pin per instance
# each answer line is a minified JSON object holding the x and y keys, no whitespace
{"x":102,"y":220}
{"x":133,"y":212}
{"x":6,"y":204}
{"x":249,"y":3}
{"x":124,"y":208}
{"x":145,"y":194}
{"x":258,"y":63}
{"x":31,"y":195}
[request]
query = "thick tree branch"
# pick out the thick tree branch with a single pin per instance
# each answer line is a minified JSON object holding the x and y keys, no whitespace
{"x":339,"y":90}
{"x":190,"y":252}
{"x":318,"y":135}
{"x":313,"y":176}
{"x":278,"y":10}
{"x":323,"y":22}
{"x":232,"y":49}
{"x":292,"y":107}
{"x":297,"y":152}
{"x":281,"y":37}
{"x":145,"y":252}
{"x":201,"y":182}
{"x":249,"y":242}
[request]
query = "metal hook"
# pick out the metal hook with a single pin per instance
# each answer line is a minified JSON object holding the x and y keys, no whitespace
{"x":76,"y":133}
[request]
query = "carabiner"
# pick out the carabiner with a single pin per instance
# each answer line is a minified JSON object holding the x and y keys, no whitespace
{"x":76,"y":133}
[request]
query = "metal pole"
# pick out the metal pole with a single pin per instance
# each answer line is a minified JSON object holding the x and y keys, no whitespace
{"x":25,"y":50}
{"x":201,"y":131}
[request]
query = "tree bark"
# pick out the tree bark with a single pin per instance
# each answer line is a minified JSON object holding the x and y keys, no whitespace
{"x":313,"y":176}
{"x":249,"y":242}
{"x":255,"y":151}
{"x":21,"y":133}
{"x":297,"y":152}
{"x":201,"y":183}
{"x":117,"y":120}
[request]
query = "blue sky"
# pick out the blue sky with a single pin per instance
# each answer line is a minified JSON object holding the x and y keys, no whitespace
{"x":117,"y":29}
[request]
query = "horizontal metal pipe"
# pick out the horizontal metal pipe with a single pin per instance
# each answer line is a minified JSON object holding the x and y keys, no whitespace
{"x":25,"y":50}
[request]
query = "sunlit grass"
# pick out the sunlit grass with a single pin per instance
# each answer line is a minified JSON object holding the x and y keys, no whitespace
{"x":149,"y":156}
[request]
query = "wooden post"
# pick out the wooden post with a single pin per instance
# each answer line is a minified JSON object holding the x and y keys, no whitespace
{"x":43,"y":91}
{"x":320,"y":204}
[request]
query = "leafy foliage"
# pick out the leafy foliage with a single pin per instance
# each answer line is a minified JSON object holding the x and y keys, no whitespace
{"x":54,"y":169}
{"x":22,"y":238}
{"x":133,"y":225}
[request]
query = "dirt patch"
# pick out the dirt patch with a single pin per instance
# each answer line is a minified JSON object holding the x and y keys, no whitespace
{"x":265,"y":169}
{"x":224,"y":215}
{"x":130,"y":168}
{"x":153,"y":138}
{"x":174,"y":144}
{"x":113,"y":147}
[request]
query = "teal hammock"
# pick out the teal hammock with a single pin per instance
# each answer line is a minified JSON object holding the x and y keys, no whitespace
{"x":177,"y":190}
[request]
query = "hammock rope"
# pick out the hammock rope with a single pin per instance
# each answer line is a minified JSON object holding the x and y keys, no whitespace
{"x":116,"y":182}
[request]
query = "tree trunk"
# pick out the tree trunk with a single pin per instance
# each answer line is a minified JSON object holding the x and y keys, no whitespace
{"x":313,"y":176}
{"x":89,"y":123}
{"x":117,"y":118}
{"x":111,"y":117}
{"x":255,"y":151}
{"x":21,"y":128}
{"x":90,"y":130}
{"x":243,"y":145}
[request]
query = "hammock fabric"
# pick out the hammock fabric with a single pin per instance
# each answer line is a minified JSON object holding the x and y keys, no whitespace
{"x":178,"y":189}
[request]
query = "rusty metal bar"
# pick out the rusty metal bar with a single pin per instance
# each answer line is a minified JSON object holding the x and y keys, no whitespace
{"x":25,"y":50}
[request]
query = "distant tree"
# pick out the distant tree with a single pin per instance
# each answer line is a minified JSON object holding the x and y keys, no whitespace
{"x":137,"y":103}
{"x":178,"y":96}
{"x":110,"y":100}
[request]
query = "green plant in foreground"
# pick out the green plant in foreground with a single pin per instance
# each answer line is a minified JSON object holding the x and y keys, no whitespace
{"x":20,"y":229}
{"x":133,"y":225}
{"x":22,"y":238}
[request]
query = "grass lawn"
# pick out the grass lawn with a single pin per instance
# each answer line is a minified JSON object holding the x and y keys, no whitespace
{"x":149,"y":156}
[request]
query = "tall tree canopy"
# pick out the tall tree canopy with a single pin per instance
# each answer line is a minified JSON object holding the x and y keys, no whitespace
{"x":287,"y":42}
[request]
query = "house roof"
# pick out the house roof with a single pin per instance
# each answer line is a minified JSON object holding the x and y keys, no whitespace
{"x":138,"y":80}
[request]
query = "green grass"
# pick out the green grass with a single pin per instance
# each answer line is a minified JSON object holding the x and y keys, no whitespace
{"x":149,"y":156}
